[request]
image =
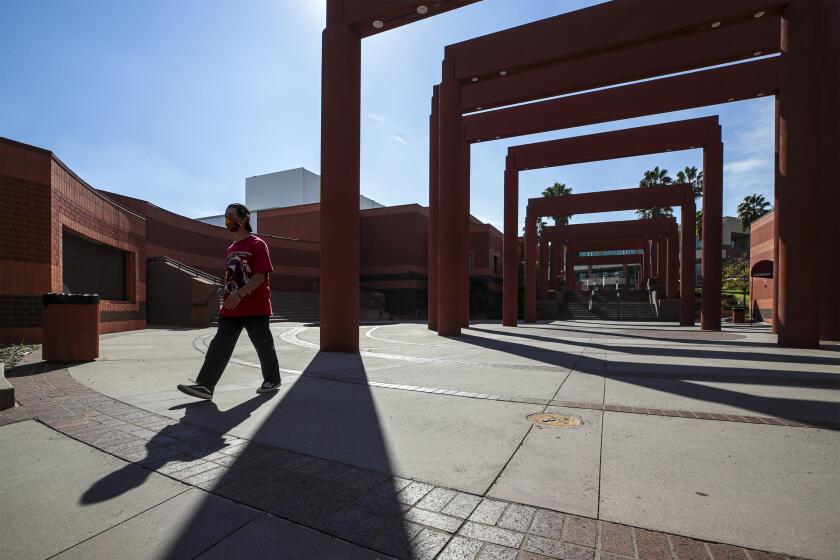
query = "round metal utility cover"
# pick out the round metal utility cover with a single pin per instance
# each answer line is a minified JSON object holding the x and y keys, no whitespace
{"x":549,"y":420}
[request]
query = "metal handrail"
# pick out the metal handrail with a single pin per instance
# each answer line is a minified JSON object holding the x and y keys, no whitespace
{"x":186,"y":268}
{"x":371,"y":295}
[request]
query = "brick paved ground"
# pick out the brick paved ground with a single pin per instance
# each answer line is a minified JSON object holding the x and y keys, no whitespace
{"x":395,"y":516}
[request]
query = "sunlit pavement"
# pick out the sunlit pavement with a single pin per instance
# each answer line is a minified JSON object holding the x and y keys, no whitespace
{"x":670,"y":441}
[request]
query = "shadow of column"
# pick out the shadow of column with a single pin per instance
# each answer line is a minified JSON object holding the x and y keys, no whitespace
{"x":281,"y":471}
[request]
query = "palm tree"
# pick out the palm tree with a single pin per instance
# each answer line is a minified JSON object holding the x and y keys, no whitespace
{"x":752,"y":208}
{"x":655,"y":178}
{"x":690,"y":176}
{"x":541,"y":223}
{"x":559,"y":189}
{"x":698,"y":225}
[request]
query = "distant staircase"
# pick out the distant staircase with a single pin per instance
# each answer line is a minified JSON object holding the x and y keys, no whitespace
{"x":606,"y":306}
{"x":305,"y":307}
{"x":299,"y":307}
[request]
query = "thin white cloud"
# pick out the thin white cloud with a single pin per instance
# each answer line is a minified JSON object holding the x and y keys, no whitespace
{"x":400,"y":138}
{"x":378,"y":119}
{"x":745,"y":165}
{"x":750,"y":150}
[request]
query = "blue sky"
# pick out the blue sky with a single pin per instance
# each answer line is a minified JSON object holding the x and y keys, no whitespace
{"x":178,"y":102}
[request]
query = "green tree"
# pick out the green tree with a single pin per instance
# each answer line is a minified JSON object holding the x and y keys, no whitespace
{"x":691,"y":176}
{"x":698,"y":224}
{"x":752,"y":208}
{"x":655,"y":178}
{"x":559,"y":189}
{"x":736,"y":273}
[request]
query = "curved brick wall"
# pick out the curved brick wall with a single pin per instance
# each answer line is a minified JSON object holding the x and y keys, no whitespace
{"x":50,"y":199}
{"x":202,"y":246}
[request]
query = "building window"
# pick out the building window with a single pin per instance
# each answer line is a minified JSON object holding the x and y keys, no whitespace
{"x":88,"y":267}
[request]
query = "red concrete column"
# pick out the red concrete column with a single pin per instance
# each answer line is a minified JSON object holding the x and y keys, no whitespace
{"x":466,"y":245}
{"x":829,"y":168}
{"x":797,"y":207}
{"x":712,"y":232}
{"x":673,"y":268}
{"x":433,"y":213}
{"x":571,"y":279}
{"x":543,"y":269}
{"x":340,"y":133}
{"x":554,"y":266}
{"x":645,"y":264}
{"x":661,"y":259}
{"x":511,"y":261}
{"x":654,"y":258}
{"x":778,"y":181}
{"x":451,"y":227}
{"x":687,"y":264}
{"x":530,"y":268}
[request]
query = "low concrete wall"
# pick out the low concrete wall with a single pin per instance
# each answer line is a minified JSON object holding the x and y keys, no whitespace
{"x":176,"y":298}
{"x":7,"y":392}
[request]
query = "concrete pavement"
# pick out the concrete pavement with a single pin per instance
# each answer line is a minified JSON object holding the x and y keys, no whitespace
{"x":717,"y":437}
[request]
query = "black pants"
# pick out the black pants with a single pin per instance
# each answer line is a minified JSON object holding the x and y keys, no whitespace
{"x":222,"y":345}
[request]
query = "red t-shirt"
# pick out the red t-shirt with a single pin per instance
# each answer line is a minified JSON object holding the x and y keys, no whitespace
{"x":244,"y":259}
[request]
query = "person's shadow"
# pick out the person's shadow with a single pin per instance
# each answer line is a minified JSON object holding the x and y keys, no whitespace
{"x":131,"y":476}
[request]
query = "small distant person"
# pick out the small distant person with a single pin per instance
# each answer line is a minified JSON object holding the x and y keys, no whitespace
{"x":246,"y":304}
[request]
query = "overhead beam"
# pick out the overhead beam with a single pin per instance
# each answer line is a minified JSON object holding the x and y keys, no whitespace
{"x":673,"y":136}
{"x":624,"y":229}
{"x":610,"y":201}
{"x":612,"y":244}
{"x":686,"y":91}
{"x":608,"y":259}
{"x":598,"y":28}
{"x":361,"y":14}
{"x":725,"y":44}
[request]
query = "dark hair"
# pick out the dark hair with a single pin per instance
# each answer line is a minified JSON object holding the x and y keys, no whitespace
{"x":243,"y":212}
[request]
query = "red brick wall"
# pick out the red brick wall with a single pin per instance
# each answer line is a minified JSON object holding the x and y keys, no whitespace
{"x":50,"y":198}
{"x":761,"y":248}
{"x":79,"y":208}
{"x":203,"y":246}
{"x":24,"y":239}
{"x":298,"y":222}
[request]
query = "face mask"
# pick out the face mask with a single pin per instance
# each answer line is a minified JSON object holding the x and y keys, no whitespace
{"x":231,"y":225}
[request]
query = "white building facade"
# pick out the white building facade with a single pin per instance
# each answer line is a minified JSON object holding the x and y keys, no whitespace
{"x":292,"y":187}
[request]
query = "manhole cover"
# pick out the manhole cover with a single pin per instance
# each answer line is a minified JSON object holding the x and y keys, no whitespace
{"x":550,"y":420}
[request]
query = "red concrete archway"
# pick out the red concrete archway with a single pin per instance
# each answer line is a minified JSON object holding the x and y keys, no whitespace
{"x":694,"y":133}
{"x":669,"y":268}
{"x":618,"y":235}
{"x":348,"y":21}
{"x":677,"y":38}
{"x":610,"y":201}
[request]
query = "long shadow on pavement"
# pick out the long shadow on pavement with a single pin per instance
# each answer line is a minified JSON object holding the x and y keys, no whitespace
{"x":671,"y":378}
{"x":693,"y":336}
{"x":354,"y":500}
{"x":758,"y":375}
{"x":129,"y":477}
